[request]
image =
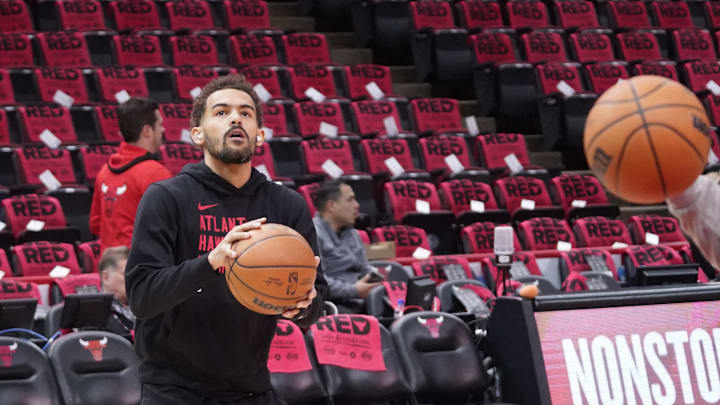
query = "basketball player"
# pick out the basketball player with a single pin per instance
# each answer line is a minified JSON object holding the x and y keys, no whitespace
{"x":197,"y":344}
{"x":697,"y":210}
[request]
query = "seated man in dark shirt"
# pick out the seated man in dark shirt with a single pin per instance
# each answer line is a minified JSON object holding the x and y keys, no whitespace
{"x":341,"y":249}
{"x":112,"y":279}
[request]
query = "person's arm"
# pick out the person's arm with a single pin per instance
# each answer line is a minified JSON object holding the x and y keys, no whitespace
{"x":302,"y":222}
{"x":95,"y":210}
{"x":698,"y":210}
{"x":153,"y":281}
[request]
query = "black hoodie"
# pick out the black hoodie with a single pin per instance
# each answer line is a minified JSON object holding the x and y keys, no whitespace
{"x":190,"y":330}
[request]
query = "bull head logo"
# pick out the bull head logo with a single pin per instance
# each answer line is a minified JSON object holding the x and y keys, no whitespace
{"x":110,"y":195}
{"x":7,"y":353}
{"x":433,"y":325}
{"x":95,"y":347}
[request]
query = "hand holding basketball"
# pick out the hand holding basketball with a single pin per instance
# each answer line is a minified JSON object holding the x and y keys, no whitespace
{"x":224,"y":252}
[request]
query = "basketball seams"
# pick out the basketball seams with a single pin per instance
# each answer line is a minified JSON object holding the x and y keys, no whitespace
{"x":621,"y":155}
{"x":260,"y":292}
{"x":682,"y":136}
{"x":656,"y":88}
{"x":649,"y":138}
{"x":624,"y":117}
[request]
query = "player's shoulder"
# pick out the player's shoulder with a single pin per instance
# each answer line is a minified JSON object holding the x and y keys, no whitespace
{"x":283,"y":195}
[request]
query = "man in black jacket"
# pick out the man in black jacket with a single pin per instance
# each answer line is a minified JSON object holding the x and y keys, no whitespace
{"x":197,"y":344}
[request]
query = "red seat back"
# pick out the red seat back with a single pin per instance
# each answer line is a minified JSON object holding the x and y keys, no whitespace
{"x":524,"y":14}
{"x":193,"y":50}
{"x":512,"y":190}
{"x":576,"y":260}
{"x":306,"y":48}
{"x":252,"y":50}
{"x":138,"y":50}
{"x":176,"y":155}
{"x":189,"y":15}
{"x":39,"y":258}
{"x":550,"y":74}
{"x":480,"y":14}
{"x":317,"y":76}
{"x":39,"y":117}
{"x":35,"y":159}
{"x":544,"y":46}
{"x":699,"y":73}
{"x":480,"y":237}
{"x":571,"y":187}
{"x":246,"y":14}
{"x":436,"y":114}
{"x":574,"y":14}
{"x":188,"y":78}
{"x":69,"y":80}
{"x":403,"y":194}
{"x":94,"y":157}
{"x":108,"y":123}
{"x":263,"y":156}
{"x":693,"y":44}
{"x":592,"y":47}
{"x":435,"y":149}
{"x":604,"y":75}
{"x":113,"y":79}
{"x":361,"y":75}
{"x":20,"y":209}
{"x":672,"y":14}
{"x":628,"y":14}
{"x":15,"y":17}
{"x":369,"y":115}
{"x":601,"y":232}
{"x":135,"y":14}
{"x":16,"y":50}
{"x":407,"y":238}
{"x":641,"y":46}
{"x":311,"y":114}
{"x":431,"y":14}
{"x":494,"y":147}
{"x":377,"y":151}
{"x":81,"y":15}
{"x":659,"y":68}
{"x":492,"y":47}
{"x":266,"y":76}
{"x":67,"y":49}
{"x":458,"y":194}
{"x":544,"y":233}
{"x":317,"y":151}
{"x":176,"y":118}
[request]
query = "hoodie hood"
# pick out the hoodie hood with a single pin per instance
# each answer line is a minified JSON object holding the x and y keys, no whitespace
{"x":128,"y":156}
{"x":203,"y":174}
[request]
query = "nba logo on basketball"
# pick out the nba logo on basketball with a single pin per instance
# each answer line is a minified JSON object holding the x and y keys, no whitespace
{"x":292,"y":283}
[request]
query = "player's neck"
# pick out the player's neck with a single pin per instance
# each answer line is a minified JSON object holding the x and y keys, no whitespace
{"x":236,"y":174}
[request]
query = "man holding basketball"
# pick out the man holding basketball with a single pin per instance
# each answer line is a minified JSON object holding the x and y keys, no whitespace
{"x":197,"y":344}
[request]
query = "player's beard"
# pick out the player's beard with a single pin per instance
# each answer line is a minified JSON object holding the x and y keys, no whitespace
{"x":231,"y":155}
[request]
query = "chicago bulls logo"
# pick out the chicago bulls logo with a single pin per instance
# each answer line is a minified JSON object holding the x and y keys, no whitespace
{"x":111,"y":195}
{"x":433,"y":325}
{"x":95,"y":347}
{"x":7,"y":353}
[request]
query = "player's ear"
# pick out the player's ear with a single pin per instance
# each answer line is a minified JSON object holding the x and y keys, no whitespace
{"x":197,"y":136}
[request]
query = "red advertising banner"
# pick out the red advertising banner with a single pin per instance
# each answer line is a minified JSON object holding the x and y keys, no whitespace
{"x":650,"y":354}
{"x":288,"y":353}
{"x":350,"y":341}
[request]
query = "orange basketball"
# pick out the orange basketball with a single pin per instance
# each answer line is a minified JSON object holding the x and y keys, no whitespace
{"x":647,"y":138}
{"x":273,"y":270}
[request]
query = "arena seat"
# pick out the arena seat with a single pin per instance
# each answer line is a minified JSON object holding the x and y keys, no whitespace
{"x":26,"y":377}
{"x":95,"y":367}
{"x":434,"y":349}
{"x":39,"y":258}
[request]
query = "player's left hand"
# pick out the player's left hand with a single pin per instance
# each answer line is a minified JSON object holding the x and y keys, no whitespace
{"x":300,"y":305}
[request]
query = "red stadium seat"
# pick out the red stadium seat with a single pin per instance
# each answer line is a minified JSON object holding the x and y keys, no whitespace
{"x":20,"y":209}
{"x":176,"y":118}
{"x":244,"y":15}
{"x":108,"y":126}
{"x":576,"y":14}
{"x":175,"y":156}
{"x":511,"y":191}
{"x":318,"y":76}
{"x":436,"y":115}
{"x":666,"y":228}
{"x":67,"y":49}
{"x":575,"y":261}
{"x":600,"y":232}
{"x":638,"y":45}
{"x":89,"y":256}
{"x":369,"y":116}
{"x":252,"y":50}
{"x":544,"y":233}
{"x":543,"y":46}
{"x":15,"y":17}
{"x":590,"y":46}
{"x":268,"y":76}
{"x":407,"y":238}
{"x":431,"y":14}
{"x":604,"y":75}
{"x":81,"y":15}
{"x":4,"y":129}
{"x":712,"y":14}
{"x":628,"y":14}
{"x":74,"y":284}
{"x":17,"y":50}
{"x":193,"y":50}
{"x":693,"y":44}
{"x":135,"y":14}
{"x":113,"y":79}
{"x":669,"y":15}
{"x":306,"y":48}
{"x":585,"y":190}
{"x":527,"y":14}
{"x":138,"y":50}
{"x":317,"y":151}
{"x":359,"y":76}
{"x":34,"y":160}
{"x":492,"y":47}
{"x":699,"y":73}
{"x":11,"y":289}
{"x":188,"y":78}
{"x":435,"y":268}
{"x":377,"y":151}
{"x":434,"y":150}
{"x":71,"y":81}
{"x":401,"y":197}
{"x":189,"y":15}
{"x":310,"y":115}
{"x":275,"y":117}
{"x":551,"y":74}
{"x":39,"y":258}
{"x":40,"y":117}
{"x":480,"y":14}
{"x":665,"y":68}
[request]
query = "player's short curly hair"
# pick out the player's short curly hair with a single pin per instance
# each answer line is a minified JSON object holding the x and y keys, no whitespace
{"x":238,"y":82}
